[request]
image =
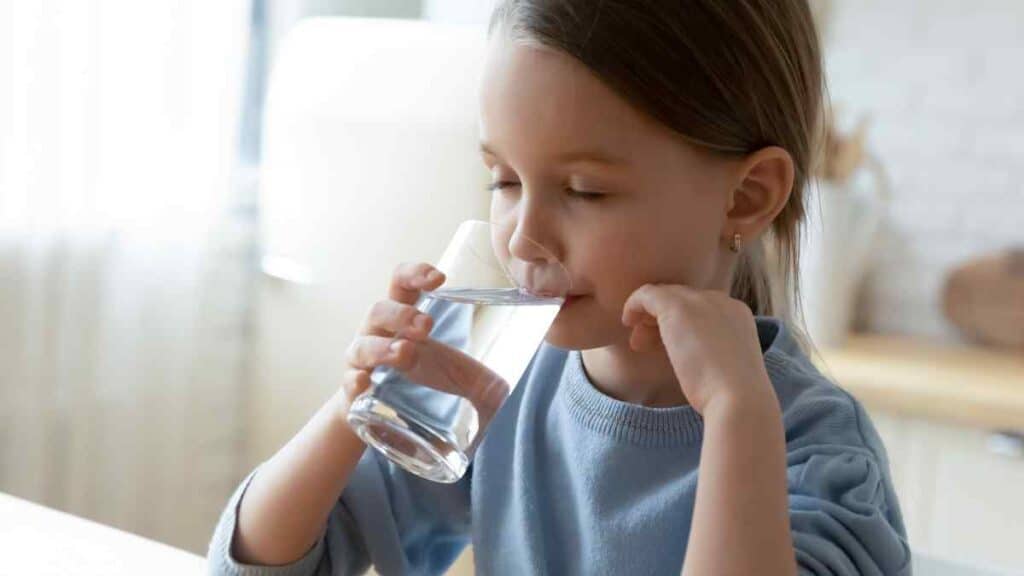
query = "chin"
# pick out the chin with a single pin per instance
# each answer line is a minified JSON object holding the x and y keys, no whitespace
{"x":582,"y":332}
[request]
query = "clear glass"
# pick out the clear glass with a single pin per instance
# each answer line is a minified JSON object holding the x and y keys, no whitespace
{"x":489,"y":321}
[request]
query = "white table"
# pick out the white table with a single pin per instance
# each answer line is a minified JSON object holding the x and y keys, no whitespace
{"x":36,"y":540}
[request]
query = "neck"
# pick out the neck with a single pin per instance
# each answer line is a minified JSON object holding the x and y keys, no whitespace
{"x":645,"y":378}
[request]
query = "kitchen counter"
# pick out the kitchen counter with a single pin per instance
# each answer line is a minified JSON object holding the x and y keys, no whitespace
{"x":957,"y":384}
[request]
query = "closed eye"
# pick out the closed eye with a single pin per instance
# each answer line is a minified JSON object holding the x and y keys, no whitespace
{"x":582,"y":194}
{"x":495,"y":186}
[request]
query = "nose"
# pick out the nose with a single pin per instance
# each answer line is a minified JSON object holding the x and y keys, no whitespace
{"x":537,"y":260}
{"x":533,"y":238}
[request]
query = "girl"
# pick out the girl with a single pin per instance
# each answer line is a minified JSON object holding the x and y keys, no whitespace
{"x":672,"y":420}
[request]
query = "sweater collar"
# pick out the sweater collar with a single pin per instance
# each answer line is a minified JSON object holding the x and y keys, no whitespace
{"x":651,"y":426}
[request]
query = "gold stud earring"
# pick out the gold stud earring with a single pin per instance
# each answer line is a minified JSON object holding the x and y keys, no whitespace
{"x":737,"y":243}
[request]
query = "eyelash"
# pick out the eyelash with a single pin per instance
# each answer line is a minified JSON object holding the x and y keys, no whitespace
{"x":582,"y":194}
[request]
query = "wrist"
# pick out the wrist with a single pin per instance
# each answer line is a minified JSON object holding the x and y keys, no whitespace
{"x":758,"y":403}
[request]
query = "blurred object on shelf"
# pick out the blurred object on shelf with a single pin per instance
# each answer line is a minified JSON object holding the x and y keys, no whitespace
{"x":851,"y":191}
{"x":984,"y":298}
{"x":842,"y":153}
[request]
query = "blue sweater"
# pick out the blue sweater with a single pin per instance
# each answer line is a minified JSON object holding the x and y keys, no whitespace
{"x":571,"y":481}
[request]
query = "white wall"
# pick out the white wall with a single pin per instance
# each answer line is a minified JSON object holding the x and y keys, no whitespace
{"x":476,"y":12}
{"x":366,"y":8}
{"x":942,"y":81}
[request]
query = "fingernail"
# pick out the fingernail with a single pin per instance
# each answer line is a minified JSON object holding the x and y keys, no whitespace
{"x":394,"y":345}
{"x":434,"y":276}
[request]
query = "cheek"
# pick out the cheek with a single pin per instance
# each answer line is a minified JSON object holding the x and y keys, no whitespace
{"x":616,"y":263}
{"x":682,"y":241}
{"x":623,"y":260}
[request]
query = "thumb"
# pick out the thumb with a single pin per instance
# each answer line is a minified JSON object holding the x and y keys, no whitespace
{"x":645,"y":336}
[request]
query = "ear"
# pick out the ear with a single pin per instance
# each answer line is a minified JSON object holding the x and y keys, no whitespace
{"x":764,"y":185}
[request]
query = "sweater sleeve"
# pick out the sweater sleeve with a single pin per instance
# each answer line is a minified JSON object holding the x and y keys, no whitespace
{"x":845,"y":515}
{"x":396,"y":521}
{"x":842,"y":516}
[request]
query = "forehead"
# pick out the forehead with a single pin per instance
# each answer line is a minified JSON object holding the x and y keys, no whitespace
{"x":541,"y":97}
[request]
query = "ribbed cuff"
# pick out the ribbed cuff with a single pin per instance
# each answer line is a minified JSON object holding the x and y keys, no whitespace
{"x":221,"y":562}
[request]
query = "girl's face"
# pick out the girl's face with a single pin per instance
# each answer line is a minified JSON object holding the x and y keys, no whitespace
{"x":617,"y":198}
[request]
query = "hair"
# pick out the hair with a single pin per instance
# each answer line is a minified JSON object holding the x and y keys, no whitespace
{"x":730,"y":76}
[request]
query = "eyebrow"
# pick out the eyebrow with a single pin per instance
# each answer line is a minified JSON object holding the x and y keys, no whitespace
{"x":592,"y":155}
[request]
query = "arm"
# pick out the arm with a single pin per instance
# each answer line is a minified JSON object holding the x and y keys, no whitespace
{"x":741,"y":520}
{"x":324,"y":504}
{"x":287,"y":503}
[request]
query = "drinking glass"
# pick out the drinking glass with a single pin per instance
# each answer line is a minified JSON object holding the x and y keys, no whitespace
{"x":490,"y":317}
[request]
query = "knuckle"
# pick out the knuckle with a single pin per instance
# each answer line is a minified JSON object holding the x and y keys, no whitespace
{"x":379,"y":309}
{"x":359,"y":381}
{"x":651,"y":289}
{"x":405,"y":357}
{"x":723,"y":300}
{"x":354,"y":383}
{"x":742,"y":309}
{"x":428,"y":323}
{"x":352,"y":353}
{"x":414,"y":269}
{"x":349,"y":381}
{"x":675,"y":308}
{"x":680,"y":291}
{"x":410,"y":314}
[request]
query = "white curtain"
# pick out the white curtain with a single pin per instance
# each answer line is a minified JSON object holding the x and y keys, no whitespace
{"x":125,"y":259}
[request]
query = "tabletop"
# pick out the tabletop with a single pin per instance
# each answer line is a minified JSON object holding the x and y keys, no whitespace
{"x":36,"y":540}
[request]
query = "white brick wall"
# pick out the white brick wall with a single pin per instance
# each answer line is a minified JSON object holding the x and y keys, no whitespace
{"x":943,"y":81}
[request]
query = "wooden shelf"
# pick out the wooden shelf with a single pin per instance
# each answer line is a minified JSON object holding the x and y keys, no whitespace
{"x":959,"y":384}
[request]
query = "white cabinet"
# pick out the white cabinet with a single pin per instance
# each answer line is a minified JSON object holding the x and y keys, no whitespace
{"x":962,"y":497}
{"x":937,"y":406}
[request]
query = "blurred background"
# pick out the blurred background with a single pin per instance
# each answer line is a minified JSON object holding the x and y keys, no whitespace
{"x":184,"y":187}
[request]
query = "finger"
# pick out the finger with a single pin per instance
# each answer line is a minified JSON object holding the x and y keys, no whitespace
{"x":643,"y":305}
{"x":355,"y":382}
{"x":391,"y":318}
{"x":368,"y":352}
{"x":451,"y":370}
{"x":644,"y":338}
{"x":409,"y":279}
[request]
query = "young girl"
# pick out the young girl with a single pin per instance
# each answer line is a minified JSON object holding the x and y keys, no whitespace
{"x":672,"y":420}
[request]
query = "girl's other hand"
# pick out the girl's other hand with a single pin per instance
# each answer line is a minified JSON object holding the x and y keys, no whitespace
{"x":711,"y":340}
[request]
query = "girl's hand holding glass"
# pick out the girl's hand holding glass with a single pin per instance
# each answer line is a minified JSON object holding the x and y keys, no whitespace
{"x":443,"y":362}
{"x":396,"y":333}
{"x":372,"y":345}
